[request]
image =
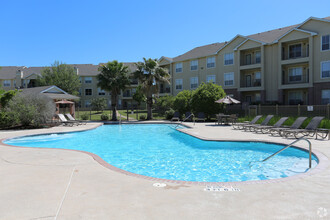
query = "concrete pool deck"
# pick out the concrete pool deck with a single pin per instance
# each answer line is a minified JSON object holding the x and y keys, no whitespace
{"x":62,"y":184}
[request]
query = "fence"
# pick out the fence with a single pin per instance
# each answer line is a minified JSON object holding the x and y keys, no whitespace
{"x":289,"y":110}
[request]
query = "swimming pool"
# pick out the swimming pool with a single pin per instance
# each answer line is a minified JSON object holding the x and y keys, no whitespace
{"x":160,"y":151}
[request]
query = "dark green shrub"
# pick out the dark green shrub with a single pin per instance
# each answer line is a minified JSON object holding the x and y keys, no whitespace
{"x":143,"y":117}
{"x":85,"y":116}
{"x":164,"y":103}
{"x":104,"y":117}
{"x":99,"y":104}
{"x":169,"y":114}
{"x":182,"y":102}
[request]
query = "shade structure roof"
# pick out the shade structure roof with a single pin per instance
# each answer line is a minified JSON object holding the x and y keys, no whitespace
{"x":64,"y":102}
{"x":228,"y":100}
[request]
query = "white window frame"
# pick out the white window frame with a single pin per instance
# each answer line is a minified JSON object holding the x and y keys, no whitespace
{"x":91,"y":92}
{"x":191,"y":65}
{"x":224,"y":78}
{"x":224,"y":59}
{"x":211,"y":76}
{"x":176,"y":84}
{"x":193,"y":82}
{"x":322,"y":42}
{"x":6,"y":83}
{"x":176,"y":67}
{"x":322,"y":69}
{"x":88,"y":79}
{"x":322,"y":95}
{"x":210,"y":59}
{"x":295,"y":74}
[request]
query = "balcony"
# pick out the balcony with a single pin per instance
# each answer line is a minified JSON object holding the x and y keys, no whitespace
{"x":134,"y":82}
{"x":297,"y":79}
{"x":165,"y":90}
{"x":127,"y":94}
{"x":295,"y":52}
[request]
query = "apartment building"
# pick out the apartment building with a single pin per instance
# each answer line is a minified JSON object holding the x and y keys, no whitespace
{"x":12,"y":77}
{"x":289,"y":65}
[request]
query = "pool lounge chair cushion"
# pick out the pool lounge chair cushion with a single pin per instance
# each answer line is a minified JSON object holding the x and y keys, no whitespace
{"x":310,"y":130}
{"x":239,"y":126}
{"x":296,"y":124}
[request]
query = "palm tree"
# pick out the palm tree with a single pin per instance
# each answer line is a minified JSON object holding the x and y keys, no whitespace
{"x":113,"y":78}
{"x":149,"y":74}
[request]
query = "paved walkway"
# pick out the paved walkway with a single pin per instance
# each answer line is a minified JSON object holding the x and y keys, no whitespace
{"x":63,"y":184}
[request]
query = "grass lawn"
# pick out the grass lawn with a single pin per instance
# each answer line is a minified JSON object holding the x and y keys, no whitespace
{"x":96,"y":115}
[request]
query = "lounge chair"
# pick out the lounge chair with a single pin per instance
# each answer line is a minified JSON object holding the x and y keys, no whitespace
{"x":232,"y":118}
{"x":71,"y":118}
{"x":200,"y":116}
{"x":66,"y":122}
{"x":263,"y":123}
{"x":265,"y":129}
{"x":296,"y":124}
{"x":239,"y":126}
{"x":176,"y":116}
{"x":188,"y":116}
{"x":310,"y":130}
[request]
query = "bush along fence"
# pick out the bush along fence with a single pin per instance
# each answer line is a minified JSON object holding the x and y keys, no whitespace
{"x":289,"y":110}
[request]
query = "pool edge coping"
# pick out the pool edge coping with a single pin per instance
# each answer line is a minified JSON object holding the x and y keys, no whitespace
{"x":322,"y":159}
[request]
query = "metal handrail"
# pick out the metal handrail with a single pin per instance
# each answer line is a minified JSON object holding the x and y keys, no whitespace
{"x":186,"y":119}
{"x":290,"y":145}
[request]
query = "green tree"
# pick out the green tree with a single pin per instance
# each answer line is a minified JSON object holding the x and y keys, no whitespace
{"x":182,"y":102}
{"x":99,"y":104}
{"x":204,"y":97}
{"x":113,"y":78}
{"x":139,"y":96}
{"x":150,"y":74}
{"x":164,"y":103}
{"x":6,"y":96}
{"x":62,"y":76}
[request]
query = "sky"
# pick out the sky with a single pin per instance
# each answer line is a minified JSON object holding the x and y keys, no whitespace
{"x":39,"y":32}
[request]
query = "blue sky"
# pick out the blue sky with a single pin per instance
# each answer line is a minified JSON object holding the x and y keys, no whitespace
{"x":38,"y":32}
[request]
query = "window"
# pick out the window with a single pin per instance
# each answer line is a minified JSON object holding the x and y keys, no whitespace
{"x":88,"y":79}
{"x":88,"y":91}
{"x":295,"y":74}
{"x":229,"y":58}
{"x":100,"y":91}
{"x":257,"y":79}
{"x":87,"y":103}
{"x":258,"y":57}
{"x":194,"y":65}
{"x":247,"y":59}
{"x":210,"y":78}
{"x":80,"y":79}
{"x":6,"y":83}
{"x":127,"y":93}
{"x":178,"y":84}
{"x":295,"y":51}
{"x":210,"y":62}
{"x":326,"y":42}
{"x":325,"y":69}
{"x":193,"y":82}
{"x":79,"y":90}
{"x":325,"y":97}
{"x":257,"y":97}
{"x":178,"y":67}
{"x":229,"y":79}
{"x":295,"y":98}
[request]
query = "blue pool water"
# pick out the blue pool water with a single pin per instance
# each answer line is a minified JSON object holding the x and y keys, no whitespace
{"x":163,"y":152}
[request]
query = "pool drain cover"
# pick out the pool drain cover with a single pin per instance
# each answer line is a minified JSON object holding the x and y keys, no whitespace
{"x":160,"y":185}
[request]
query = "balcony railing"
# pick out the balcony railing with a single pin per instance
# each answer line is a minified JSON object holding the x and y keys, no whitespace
{"x":165,"y":90}
{"x":288,"y":80}
{"x":254,"y":83}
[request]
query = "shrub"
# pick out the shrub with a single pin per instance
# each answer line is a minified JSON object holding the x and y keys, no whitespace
{"x":85,"y":116}
{"x":99,"y":104}
{"x":204,"y":97}
{"x":164,"y":103}
{"x":104,"y":117}
{"x":182,"y":102}
{"x":30,"y":110}
{"x":143,"y":117}
{"x":169,"y":114}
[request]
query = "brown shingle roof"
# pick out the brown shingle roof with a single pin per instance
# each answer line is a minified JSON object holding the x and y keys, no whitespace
{"x":201,"y":51}
{"x":272,"y":35}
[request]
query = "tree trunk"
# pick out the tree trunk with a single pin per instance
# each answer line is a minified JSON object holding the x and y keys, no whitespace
{"x":149,"y":108}
{"x":114,"y":107}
